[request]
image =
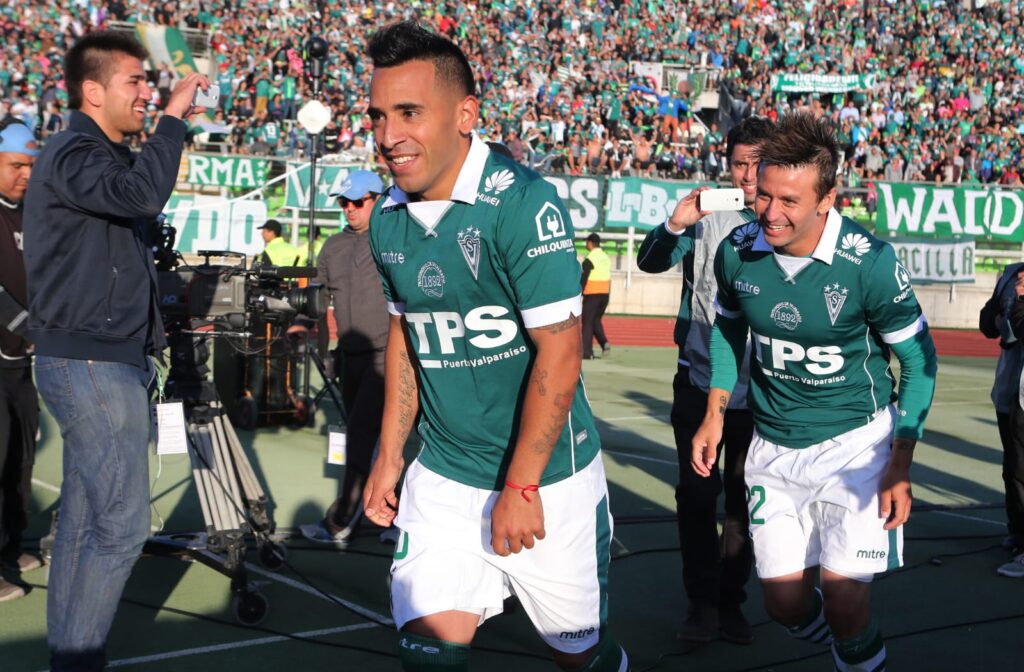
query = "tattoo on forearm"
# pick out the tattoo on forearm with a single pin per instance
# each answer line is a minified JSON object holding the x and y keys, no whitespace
{"x":556,"y":422}
{"x":723,"y":403}
{"x":406,"y":397}
{"x":559,"y":327}
{"x":538,"y":378}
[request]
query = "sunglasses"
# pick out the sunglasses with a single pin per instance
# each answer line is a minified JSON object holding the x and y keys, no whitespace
{"x":359,"y":202}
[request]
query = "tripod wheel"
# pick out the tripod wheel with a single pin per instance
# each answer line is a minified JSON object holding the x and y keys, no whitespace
{"x":273,"y":555}
{"x":247,"y":413}
{"x":250,"y":607}
{"x":305,"y":412}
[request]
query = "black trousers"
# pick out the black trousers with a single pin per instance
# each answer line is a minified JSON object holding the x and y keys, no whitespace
{"x":714,"y":570}
{"x":1011,"y":434}
{"x":594,"y":306}
{"x":19,"y":421}
{"x":362,"y":393}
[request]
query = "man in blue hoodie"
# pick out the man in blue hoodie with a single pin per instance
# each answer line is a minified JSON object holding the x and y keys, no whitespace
{"x":89,"y":222}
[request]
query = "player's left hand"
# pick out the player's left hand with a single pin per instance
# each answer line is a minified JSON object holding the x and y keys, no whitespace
{"x":515,"y":522}
{"x":894,"y":494}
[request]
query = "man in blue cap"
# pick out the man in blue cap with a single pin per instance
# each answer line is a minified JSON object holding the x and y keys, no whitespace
{"x":346,"y":267}
{"x":19,"y":403}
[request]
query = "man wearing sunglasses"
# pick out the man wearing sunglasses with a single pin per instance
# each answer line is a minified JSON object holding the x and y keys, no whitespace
{"x":346,"y":268}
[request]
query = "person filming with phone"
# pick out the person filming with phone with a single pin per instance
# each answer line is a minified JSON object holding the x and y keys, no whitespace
{"x":90,"y":217}
{"x":714,"y":571}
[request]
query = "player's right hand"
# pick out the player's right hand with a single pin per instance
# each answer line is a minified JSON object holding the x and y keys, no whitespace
{"x":687,"y":211}
{"x":704,"y":447}
{"x":180,"y":103}
{"x":380,"y":501}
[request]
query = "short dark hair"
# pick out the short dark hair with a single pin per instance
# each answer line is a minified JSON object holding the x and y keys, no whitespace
{"x":802,"y":140}
{"x":594,"y":238}
{"x":404,"y":41}
{"x":92,"y":57}
{"x":750,"y":131}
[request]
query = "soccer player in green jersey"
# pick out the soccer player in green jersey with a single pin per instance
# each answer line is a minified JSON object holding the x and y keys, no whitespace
{"x":507,"y":494}
{"x":828,"y":470}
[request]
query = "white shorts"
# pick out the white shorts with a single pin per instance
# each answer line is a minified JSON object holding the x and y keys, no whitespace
{"x":819,"y":505}
{"x":444,"y":560}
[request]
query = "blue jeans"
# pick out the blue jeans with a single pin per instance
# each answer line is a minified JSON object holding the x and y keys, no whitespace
{"x":103,"y":411}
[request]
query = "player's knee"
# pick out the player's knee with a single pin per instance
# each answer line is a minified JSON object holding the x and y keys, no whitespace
{"x":606,"y":656}
{"x":422,"y":654}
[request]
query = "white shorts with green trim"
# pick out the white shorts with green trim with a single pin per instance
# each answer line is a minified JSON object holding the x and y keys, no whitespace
{"x":819,"y":505}
{"x":444,"y":561}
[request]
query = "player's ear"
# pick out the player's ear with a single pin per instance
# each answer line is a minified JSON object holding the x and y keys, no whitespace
{"x":826,"y":203}
{"x":468,"y":110}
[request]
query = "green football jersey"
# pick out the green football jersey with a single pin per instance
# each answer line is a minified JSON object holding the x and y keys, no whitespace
{"x":820,"y":334}
{"x":471,"y":275}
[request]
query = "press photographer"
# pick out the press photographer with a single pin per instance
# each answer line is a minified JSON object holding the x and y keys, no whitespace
{"x":89,"y":216}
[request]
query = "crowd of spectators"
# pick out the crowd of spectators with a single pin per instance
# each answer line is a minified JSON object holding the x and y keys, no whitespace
{"x":947,"y":104}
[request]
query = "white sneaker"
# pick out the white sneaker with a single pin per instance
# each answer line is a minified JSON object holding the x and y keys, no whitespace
{"x":1014,"y":568}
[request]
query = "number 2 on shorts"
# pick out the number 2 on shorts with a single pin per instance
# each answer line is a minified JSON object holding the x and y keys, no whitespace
{"x":757,"y":490}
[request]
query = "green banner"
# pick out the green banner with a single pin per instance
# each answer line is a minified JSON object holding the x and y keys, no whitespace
{"x":936,"y":260}
{"x":214,"y":223}
{"x":167,"y":45}
{"x":583,"y":197}
{"x":226,"y":171}
{"x":810,"y":83}
{"x":328,"y":180}
{"x":645,"y":204}
{"x":944,"y":212}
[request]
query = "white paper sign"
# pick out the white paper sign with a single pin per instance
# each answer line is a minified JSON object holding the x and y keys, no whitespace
{"x":336,"y":445}
{"x":171,"y":435}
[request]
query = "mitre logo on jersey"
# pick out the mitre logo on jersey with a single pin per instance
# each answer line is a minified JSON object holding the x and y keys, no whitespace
{"x":855,"y":243}
{"x":744,"y":236}
{"x":431,"y":280}
{"x":835,"y":297}
{"x":549,"y":222}
{"x":469,"y":243}
{"x":786,"y":316}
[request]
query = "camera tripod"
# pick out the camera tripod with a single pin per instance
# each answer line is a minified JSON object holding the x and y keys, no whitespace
{"x":233,"y":503}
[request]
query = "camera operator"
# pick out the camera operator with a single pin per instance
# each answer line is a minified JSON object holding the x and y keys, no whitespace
{"x":90,"y":213}
{"x":19,"y":403}
{"x":346,"y":267}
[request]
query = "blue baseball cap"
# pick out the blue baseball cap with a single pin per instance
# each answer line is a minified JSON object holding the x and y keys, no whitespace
{"x":17,"y":138}
{"x":358,"y":184}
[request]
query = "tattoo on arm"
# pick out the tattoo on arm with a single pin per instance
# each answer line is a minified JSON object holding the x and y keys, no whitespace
{"x":559,"y":327}
{"x":538,"y":378}
{"x":556,"y":422}
{"x":723,"y":403}
{"x":407,"y":395}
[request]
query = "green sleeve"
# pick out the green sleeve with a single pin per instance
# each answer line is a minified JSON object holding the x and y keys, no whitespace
{"x":661,"y":250}
{"x":727,"y":347}
{"x":918,"y":365}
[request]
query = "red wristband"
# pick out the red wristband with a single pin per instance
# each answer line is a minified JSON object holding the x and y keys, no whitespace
{"x":523,"y":489}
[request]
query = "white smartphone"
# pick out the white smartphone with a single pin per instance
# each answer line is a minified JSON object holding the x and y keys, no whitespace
{"x":715,"y":200}
{"x":208,"y":99}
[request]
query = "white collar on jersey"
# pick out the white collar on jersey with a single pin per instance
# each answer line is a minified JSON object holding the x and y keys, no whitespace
{"x":466,"y":185}
{"x":826,"y":247}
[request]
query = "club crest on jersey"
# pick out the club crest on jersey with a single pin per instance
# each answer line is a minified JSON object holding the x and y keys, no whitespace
{"x":786,"y":316}
{"x":835,"y":297}
{"x":549,"y":222}
{"x":469,"y":243}
{"x":744,"y":236}
{"x":431,"y":280}
{"x":17,"y":241}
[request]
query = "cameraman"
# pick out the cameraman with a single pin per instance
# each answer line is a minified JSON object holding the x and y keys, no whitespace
{"x":19,"y":403}
{"x":346,"y":267}
{"x":89,"y":215}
